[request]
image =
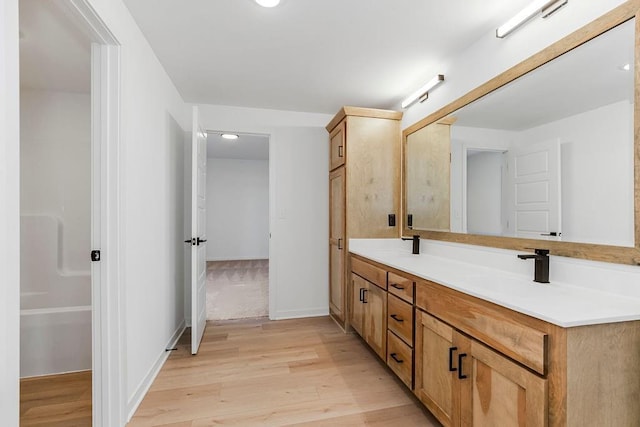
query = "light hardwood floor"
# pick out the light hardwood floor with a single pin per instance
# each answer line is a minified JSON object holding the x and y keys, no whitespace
{"x":303,"y":372}
{"x":56,"y":400}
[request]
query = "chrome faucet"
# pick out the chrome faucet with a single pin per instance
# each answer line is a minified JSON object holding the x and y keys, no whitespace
{"x":416,"y":243}
{"x":541,"y":273}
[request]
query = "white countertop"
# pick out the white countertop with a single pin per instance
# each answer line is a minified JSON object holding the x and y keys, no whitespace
{"x":562,"y":304}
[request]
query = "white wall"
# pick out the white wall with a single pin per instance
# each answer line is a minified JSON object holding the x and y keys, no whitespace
{"x":237,"y":209}
{"x":298,"y":157}
{"x":9,"y":214}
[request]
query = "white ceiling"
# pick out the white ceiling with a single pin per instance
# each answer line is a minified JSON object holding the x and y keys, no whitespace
{"x":583,"y":79}
{"x":54,"y":53}
{"x":310,"y":55}
{"x":247,"y":147}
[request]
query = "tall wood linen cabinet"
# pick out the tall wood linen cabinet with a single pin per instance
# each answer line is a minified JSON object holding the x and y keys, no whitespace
{"x":364,"y":189}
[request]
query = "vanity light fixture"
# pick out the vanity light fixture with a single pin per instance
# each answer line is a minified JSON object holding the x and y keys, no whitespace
{"x":268,"y":3}
{"x":423,"y":93}
{"x":545,"y":7}
{"x":230,"y":136}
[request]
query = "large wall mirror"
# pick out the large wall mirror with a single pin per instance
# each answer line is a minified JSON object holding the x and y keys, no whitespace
{"x":545,"y":155}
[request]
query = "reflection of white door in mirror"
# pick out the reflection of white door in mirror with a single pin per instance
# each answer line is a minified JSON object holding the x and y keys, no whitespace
{"x":533,"y":191}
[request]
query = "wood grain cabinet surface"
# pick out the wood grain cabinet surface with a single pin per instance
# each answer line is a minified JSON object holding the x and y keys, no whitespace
{"x":475,"y":363}
{"x":463,"y":382}
{"x":368,"y":313}
{"x":337,"y":248}
{"x":364,"y":165}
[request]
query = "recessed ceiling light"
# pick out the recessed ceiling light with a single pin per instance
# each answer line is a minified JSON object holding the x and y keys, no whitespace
{"x":229,"y":136}
{"x":268,"y":3}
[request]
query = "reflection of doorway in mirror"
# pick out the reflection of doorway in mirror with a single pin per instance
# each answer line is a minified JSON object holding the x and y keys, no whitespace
{"x":484,"y":202}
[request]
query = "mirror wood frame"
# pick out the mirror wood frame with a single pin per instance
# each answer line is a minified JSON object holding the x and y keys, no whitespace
{"x":589,"y":251}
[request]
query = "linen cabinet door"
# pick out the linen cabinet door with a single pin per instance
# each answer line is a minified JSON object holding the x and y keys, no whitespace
{"x":375,"y":319}
{"x":499,"y":392}
{"x":337,"y":257}
{"x":357,"y":286}
{"x":435,"y":355}
{"x":337,"y":141}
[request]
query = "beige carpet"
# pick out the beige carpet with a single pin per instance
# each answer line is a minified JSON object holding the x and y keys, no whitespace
{"x":237,"y":289}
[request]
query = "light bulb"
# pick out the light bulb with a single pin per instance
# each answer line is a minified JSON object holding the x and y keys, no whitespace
{"x":268,"y":3}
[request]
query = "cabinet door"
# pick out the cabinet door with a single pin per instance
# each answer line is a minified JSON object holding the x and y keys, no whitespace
{"x":375,"y":319}
{"x":434,"y":360}
{"x":357,"y":287}
{"x":337,"y":140}
{"x":373,"y":177}
{"x":499,"y":392}
{"x":337,"y":251}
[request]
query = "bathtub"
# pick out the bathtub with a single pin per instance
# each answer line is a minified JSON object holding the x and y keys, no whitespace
{"x":55,"y":304}
{"x":55,"y":340}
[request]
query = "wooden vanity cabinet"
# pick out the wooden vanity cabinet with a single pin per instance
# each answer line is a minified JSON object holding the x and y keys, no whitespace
{"x":476,"y":363}
{"x":364,"y":167}
{"x":521,"y":371}
{"x":464,"y":383}
{"x":400,"y":325}
{"x":368,"y":313}
{"x":382,"y":319}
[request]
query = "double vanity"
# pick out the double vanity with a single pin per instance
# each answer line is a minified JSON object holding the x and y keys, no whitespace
{"x":481,"y":346}
{"x":545,"y":155}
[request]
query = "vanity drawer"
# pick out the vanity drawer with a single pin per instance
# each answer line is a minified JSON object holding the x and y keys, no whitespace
{"x":401,"y":287}
{"x":399,"y":359}
{"x":374,"y":274}
{"x":400,"y":318}
{"x":498,"y":327}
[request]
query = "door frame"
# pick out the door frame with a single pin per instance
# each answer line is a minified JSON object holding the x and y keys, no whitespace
{"x":466,"y":147}
{"x":272,"y":286}
{"x":108,"y":343}
{"x":107,"y":323}
{"x":9,"y":213}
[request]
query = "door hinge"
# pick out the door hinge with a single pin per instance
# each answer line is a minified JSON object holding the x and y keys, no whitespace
{"x":95,"y":255}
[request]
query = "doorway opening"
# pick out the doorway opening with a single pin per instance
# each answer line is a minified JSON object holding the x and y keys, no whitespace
{"x":55,"y":211}
{"x":237,"y":226}
{"x":484,"y":192}
{"x":69,"y":110}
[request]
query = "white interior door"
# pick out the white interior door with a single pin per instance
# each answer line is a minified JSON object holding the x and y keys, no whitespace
{"x":198,"y":232}
{"x":534,"y":187}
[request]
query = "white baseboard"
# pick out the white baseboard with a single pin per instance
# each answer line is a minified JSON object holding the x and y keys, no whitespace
{"x":146,"y":382}
{"x":297,"y":314}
